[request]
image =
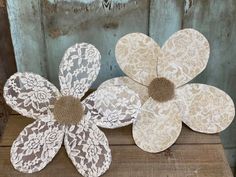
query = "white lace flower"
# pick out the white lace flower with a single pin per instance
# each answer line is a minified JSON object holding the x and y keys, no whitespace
{"x":61,"y":115}
{"x":159,"y":76}
{"x":116,"y":107}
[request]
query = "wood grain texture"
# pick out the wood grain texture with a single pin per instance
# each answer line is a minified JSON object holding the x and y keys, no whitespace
{"x":194,"y":154}
{"x":165,"y":19}
{"x":130,"y":161}
{"x":120,"y":136}
{"x":28,"y":35}
{"x":66,"y":23}
{"x":43,"y":30}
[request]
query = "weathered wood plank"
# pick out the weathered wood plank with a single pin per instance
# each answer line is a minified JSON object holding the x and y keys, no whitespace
{"x":121,"y":136}
{"x":130,"y":161}
{"x":165,"y":19}
{"x":66,"y":23}
{"x":43,"y":30}
{"x":28,"y":35}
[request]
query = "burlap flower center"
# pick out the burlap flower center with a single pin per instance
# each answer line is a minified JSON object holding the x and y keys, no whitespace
{"x":161,"y":89}
{"x":68,"y":110}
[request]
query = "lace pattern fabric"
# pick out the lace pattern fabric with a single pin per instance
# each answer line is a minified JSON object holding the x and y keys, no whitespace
{"x":80,"y":61}
{"x":86,"y":145}
{"x":36,"y":145}
{"x":30,"y":94}
{"x":183,"y":56}
{"x":113,"y":107}
{"x":88,"y":148}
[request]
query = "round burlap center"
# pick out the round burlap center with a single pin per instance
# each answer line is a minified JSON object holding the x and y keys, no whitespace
{"x":161,"y":89}
{"x":68,"y":110}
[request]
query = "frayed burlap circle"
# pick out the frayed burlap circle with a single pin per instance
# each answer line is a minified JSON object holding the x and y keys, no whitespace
{"x":68,"y":110}
{"x":161,"y":89}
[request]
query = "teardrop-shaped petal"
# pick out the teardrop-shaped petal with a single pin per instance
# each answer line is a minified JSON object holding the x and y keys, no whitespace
{"x":137,"y":56}
{"x":158,"y":125}
{"x":79,"y":69}
{"x":30,"y":94}
{"x":36,"y":146}
{"x":113,"y":107}
{"x":207,"y":109}
{"x":184,"y":55}
{"x":88,"y":148}
{"x":141,"y":90}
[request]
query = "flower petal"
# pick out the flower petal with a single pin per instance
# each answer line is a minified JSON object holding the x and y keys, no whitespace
{"x":79,"y":69}
{"x":30,"y":94}
{"x":88,"y":148}
{"x":36,"y":146}
{"x":207,"y":109}
{"x":113,"y":107}
{"x":184,"y":55}
{"x":141,"y":90}
{"x":137,"y":56}
{"x":158,"y":125}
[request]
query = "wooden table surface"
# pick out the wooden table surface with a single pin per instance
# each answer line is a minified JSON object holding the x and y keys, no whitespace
{"x":193,"y":155}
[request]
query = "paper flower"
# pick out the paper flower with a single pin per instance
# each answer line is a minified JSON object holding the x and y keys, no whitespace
{"x":61,"y":115}
{"x":159,"y":76}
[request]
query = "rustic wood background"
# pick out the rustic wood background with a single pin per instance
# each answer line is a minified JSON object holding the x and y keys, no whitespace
{"x":7,"y":60}
{"x":42,"y":29}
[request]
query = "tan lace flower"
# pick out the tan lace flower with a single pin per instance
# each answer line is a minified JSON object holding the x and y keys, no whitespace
{"x":159,"y":75}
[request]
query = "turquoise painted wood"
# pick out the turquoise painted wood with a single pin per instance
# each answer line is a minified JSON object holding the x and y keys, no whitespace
{"x":66,"y":23}
{"x":43,"y":29}
{"x":165,"y":19}
{"x":27,"y":35}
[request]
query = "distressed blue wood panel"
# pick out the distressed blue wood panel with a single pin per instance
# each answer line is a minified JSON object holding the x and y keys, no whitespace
{"x":66,"y":23}
{"x":165,"y":19}
{"x":43,"y":30}
{"x":27,"y":35}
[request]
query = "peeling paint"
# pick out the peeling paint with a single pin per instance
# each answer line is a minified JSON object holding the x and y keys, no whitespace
{"x":111,"y":25}
{"x":90,"y":1}
{"x":188,"y":5}
{"x":50,"y":7}
{"x":63,"y":18}
{"x":54,"y":33}
{"x":107,"y":5}
{"x":34,"y":9}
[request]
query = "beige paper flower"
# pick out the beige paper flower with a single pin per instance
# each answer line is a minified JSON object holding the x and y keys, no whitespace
{"x":159,"y":75}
